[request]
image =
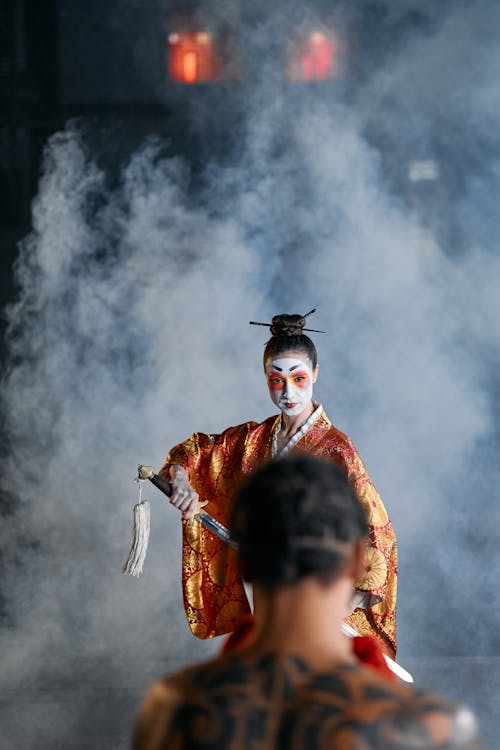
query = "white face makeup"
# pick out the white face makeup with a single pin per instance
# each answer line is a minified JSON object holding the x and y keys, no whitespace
{"x":290,"y":382}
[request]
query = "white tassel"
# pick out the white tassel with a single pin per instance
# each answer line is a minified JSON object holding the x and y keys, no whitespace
{"x":140,"y":537}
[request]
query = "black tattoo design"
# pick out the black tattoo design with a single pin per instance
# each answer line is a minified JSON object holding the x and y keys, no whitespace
{"x":278,"y":703}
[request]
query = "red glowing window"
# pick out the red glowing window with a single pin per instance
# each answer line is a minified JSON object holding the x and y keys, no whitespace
{"x":198,"y":57}
{"x":313,"y":58}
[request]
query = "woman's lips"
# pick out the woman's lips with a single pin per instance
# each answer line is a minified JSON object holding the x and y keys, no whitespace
{"x":290,"y":405}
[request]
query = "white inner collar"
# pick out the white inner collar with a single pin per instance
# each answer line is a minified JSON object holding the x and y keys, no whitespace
{"x":295,"y":438}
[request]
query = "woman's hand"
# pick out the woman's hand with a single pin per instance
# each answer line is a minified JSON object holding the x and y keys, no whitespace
{"x":183,"y":497}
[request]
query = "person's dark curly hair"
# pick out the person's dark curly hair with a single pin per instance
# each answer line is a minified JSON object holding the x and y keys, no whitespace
{"x":295,"y":517}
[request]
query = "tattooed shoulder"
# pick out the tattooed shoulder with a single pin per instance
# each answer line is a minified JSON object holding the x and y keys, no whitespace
{"x":357,"y":708}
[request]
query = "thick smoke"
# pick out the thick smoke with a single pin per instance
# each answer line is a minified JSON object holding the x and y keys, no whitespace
{"x":131,"y":331}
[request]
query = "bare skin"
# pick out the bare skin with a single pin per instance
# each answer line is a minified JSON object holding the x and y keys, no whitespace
{"x":305,"y":618}
{"x":184,"y":496}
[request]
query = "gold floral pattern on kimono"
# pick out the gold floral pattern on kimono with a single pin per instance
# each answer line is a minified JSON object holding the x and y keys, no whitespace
{"x":214,"y":595}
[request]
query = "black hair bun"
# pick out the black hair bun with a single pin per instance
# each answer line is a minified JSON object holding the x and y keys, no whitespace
{"x":287,"y":325}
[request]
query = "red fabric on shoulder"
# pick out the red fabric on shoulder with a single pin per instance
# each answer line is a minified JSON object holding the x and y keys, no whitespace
{"x":368,"y":651}
{"x":240,"y":635}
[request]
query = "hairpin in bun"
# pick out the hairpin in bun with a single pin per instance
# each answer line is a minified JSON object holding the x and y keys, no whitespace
{"x":288,"y":325}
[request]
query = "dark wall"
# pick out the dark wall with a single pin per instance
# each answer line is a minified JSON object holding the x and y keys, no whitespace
{"x":29,"y":112}
{"x":113,"y":53}
{"x":61,"y":60}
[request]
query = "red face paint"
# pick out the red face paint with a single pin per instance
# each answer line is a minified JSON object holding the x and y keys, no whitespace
{"x":300,"y":379}
{"x":276,"y":381}
{"x":290,"y":383}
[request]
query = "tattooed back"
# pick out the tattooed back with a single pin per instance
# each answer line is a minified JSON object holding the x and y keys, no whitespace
{"x":277,"y":702}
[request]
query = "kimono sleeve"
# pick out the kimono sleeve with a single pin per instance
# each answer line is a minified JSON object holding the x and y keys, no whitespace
{"x":190,"y":454}
{"x":379,"y":576}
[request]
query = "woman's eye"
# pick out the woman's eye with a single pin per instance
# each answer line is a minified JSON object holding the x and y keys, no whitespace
{"x":277,"y":381}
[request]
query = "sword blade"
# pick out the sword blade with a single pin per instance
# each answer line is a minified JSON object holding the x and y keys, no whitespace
{"x":393,"y":666}
{"x":217,"y":528}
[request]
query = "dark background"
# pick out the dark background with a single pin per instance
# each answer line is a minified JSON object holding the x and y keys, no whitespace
{"x":62,"y":61}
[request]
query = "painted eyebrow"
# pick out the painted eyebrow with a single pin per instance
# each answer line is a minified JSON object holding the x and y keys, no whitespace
{"x":280,"y":369}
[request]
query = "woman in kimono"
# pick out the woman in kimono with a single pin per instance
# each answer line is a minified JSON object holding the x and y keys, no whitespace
{"x":210,"y":468}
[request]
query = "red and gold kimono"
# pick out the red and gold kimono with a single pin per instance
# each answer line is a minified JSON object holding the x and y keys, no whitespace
{"x":214,"y":595}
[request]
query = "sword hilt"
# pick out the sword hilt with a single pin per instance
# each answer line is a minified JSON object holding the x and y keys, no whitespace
{"x":208,"y":521}
{"x":147,"y":472}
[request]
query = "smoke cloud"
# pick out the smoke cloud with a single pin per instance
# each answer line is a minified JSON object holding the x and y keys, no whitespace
{"x":130,"y":331}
